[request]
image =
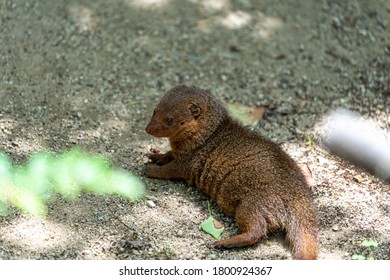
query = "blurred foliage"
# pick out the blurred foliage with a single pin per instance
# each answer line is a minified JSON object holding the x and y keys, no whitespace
{"x":369,"y":245}
{"x":32,"y":186}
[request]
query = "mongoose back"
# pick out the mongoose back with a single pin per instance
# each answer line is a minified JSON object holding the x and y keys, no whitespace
{"x":249,"y":177}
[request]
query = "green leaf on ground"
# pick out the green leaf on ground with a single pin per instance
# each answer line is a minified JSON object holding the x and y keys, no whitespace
{"x":212,"y":227}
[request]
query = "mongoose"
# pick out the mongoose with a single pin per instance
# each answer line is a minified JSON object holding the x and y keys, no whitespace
{"x":249,"y":177}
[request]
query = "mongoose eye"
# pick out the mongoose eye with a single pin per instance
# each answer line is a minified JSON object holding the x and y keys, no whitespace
{"x":169,"y":121}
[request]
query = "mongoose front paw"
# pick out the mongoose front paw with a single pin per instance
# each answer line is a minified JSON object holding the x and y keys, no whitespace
{"x":159,"y":159}
{"x":152,"y":171}
{"x":154,"y":157}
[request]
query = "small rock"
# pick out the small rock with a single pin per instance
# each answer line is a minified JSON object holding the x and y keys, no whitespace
{"x":212,"y":256}
{"x":267,"y":126}
{"x":358,"y":178}
{"x":322,"y":161}
{"x":180,"y":233}
{"x":150,"y":203}
{"x":340,"y":172}
{"x":136,"y":252}
{"x":336,"y":22}
{"x":336,"y":228}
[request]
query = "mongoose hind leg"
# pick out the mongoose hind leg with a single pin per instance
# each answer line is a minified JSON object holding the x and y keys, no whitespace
{"x":252,"y":227}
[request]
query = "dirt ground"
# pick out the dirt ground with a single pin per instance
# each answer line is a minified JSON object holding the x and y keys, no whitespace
{"x":89,"y":73}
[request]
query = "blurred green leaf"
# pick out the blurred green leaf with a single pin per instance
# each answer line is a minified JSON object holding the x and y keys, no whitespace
{"x":358,"y":257}
{"x":367,"y":243}
{"x":32,"y":186}
{"x":91,"y":173}
{"x":126,"y":185}
{"x":30,"y":202}
{"x":5,"y":179}
{"x":5,"y":167}
{"x":3,"y":208}
{"x":38,"y":171}
{"x":62,"y":176}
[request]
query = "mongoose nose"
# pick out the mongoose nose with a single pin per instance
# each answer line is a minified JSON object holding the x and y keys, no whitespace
{"x":148,"y":130}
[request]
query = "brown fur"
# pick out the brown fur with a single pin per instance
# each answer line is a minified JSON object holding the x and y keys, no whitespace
{"x":249,"y":177}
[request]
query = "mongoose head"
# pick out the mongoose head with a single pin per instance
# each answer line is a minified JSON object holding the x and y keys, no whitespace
{"x":182,"y":112}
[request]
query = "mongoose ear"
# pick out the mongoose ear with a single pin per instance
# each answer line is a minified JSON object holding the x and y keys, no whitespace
{"x":195,"y":110}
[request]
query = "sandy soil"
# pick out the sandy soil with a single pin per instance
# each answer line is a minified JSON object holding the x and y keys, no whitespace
{"x":88,"y":73}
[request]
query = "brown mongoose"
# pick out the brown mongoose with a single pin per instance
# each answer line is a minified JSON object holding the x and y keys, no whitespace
{"x":249,"y":177}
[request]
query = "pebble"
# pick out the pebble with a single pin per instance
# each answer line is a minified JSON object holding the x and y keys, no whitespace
{"x":336,"y":22}
{"x":180,"y":233}
{"x":336,"y":228}
{"x":340,"y":172}
{"x":212,"y":256}
{"x":358,"y":178}
{"x":150,"y":203}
